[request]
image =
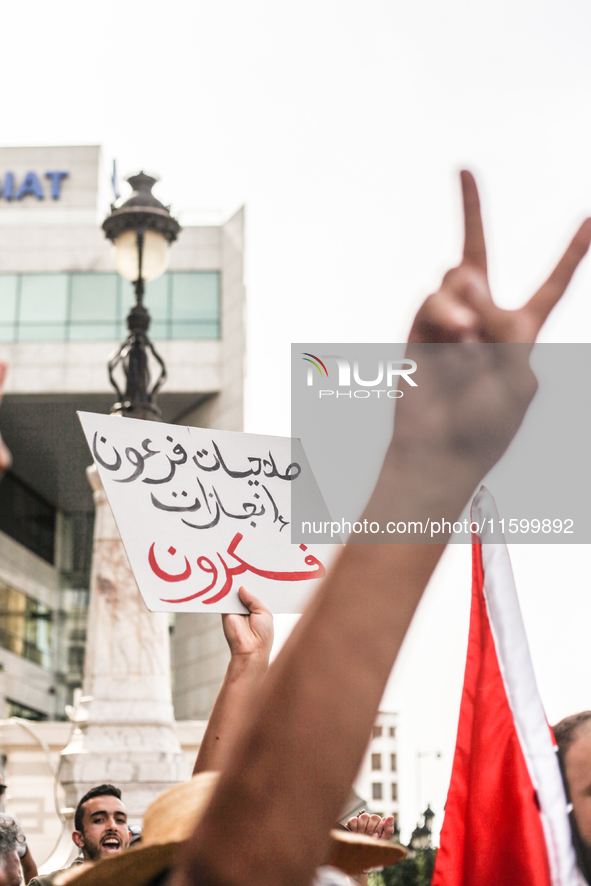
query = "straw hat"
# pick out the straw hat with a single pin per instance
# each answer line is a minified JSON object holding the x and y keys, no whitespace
{"x":170,"y":820}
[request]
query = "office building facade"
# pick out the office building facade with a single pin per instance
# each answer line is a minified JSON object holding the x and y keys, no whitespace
{"x":62,"y":314}
{"x":377,"y":781}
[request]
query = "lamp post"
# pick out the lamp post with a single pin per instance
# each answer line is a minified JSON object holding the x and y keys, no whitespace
{"x":125,"y":729}
{"x":141,"y":230}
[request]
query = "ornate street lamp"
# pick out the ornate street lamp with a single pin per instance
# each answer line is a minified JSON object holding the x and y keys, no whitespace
{"x":141,"y":230}
{"x":114,"y":730}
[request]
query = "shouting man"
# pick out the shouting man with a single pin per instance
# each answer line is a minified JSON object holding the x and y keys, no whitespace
{"x":101,"y":827}
{"x":101,"y":823}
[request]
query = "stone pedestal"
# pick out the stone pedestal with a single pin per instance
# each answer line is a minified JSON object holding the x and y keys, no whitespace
{"x":125,"y":731}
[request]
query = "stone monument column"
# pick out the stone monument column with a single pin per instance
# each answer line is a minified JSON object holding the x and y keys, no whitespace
{"x":125,"y":729}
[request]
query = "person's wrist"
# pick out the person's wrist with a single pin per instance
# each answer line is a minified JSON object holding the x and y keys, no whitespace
{"x":419,"y":483}
{"x":424,"y":454}
{"x":248,"y":662}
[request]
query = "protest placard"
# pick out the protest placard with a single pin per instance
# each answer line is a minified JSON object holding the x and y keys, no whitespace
{"x":202,"y":512}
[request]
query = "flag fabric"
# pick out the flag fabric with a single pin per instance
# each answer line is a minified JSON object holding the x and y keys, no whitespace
{"x":115,"y":182}
{"x":506,"y":815}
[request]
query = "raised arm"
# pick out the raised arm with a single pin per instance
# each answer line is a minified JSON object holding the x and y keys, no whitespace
{"x":28,"y":865}
{"x":250,"y":638}
{"x":288,"y":778}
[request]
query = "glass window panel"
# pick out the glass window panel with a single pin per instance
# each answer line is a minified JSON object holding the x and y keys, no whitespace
{"x":127,"y":297}
{"x":158,"y":330}
{"x":44,"y":298}
{"x":195,"y":330}
{"x":93,"y":297}
{"x":8,"y":289}
{"x":156,"y":298}
{"x":25,"y":626}
{"x":15,"y":709}
{"x":7,"y":331}
{"x":195,"y":295}
{"x":41,"y":332}
{"x":12,"y":616}
{"x":94,"y":331}
{"x":26,"y":517}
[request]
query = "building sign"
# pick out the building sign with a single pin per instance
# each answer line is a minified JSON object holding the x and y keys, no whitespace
{"x":30,"y":185}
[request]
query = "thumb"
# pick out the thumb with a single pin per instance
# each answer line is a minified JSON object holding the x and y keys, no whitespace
{"x":252,"y":603}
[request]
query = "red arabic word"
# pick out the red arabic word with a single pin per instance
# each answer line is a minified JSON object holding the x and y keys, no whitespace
{"x":208,"y":566}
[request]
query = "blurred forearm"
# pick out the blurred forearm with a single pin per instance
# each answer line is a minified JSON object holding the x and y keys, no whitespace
{"x":29,"y":867}
{"x":319,"y":702}
{"x":242,"y":682}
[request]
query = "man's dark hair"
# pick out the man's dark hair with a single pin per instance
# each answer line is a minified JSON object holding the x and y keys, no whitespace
{"x":102,"y":790}
{"x":566,"y":731}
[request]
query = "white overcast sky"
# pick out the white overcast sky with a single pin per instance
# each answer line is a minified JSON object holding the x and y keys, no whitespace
{"x":341,"y":126}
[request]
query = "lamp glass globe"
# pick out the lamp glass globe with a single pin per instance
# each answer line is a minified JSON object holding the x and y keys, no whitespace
{"x":155,"y":256}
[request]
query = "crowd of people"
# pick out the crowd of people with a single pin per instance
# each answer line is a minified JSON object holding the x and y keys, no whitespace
{"x":284,"y":743}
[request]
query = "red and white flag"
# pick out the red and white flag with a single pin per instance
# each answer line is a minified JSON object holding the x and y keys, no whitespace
{"x":506,"y":818}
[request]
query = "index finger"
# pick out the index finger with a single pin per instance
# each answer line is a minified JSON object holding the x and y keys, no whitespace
{"x":387,"y":828}
{"x":474,"y":245}
{"x":373,"y":828}
{"x":550,"y":293}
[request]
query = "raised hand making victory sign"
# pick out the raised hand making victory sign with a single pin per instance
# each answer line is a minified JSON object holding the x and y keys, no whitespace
{"x":463,"y":309}
{"x":474,"y":378}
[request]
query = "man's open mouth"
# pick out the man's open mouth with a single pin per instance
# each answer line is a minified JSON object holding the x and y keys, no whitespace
{"x":111,"y":844}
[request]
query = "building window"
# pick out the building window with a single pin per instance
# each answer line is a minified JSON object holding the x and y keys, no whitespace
{"x":14,"y":709}
{"x":26,"y":517}
{"x":376,"y":762}
{"x":394,"y":791}
{"x":76,"y":659}
{"x":25,"y":626}
{"x":393,"y":762}
{"x":194,"y":314}
{"x":93,"y":306}
{"x":392,"y":731}
{"x":376,"y":732}
{"x":376,"y":791}
{"x":42,"y":307}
